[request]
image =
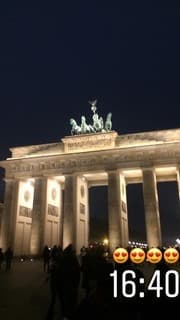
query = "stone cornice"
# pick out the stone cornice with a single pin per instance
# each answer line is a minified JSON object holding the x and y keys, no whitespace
{"x":37,"y":150}
{"x":136,"y":157}
{"x":98,"y":141}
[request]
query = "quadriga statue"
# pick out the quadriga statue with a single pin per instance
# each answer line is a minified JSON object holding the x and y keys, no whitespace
{"x":75,"y":128}
{"x":97,"y":125}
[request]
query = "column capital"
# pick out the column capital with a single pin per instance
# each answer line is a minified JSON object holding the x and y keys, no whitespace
{"x":10,"y":180}
{"x":70,"y":175}
{"x":73,"y":174}
{"x":150,"y":170}
{"x":40,"y":178}
{"x":117,"y":171}
{"x":147,"y":168}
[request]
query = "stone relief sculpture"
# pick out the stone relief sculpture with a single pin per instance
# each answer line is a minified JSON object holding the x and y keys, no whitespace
{"x":97,"y":125}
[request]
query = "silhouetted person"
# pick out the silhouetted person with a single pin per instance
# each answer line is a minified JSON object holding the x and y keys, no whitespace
{"x":83,"y":252}
{"x":8,"y":258}
{"x":69,"y":278}
{"x":55,"y":275}
{"x":94,"y":266}
{"x":46,"y":257}
{"x":53,"y":254}
{"x":1,"y":257}
{"x":64,"y":282}
{"x":99,"y":303}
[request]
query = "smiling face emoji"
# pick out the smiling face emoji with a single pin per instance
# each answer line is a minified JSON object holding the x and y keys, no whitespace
{"x":154,"y":255}
{"x":120,"y":255}
{"x":137,"y":255}
{"x":171,"y":255}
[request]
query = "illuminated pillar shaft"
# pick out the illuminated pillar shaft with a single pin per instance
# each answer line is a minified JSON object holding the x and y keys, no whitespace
{"x":70,"y":212}
{"x":53,"y":214}
{"x":151,"y":205}
{"x":38,"y":216}
{"x":178,"y":180}
{"x":117,"y":210}
{"x":61,"y":218}
{"x":1,"y":216}
{"x":10,"y":213}
{"x":75,"y":226}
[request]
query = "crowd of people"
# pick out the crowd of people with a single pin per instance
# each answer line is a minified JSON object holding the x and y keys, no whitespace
{"x":90,"y":273}
{"x":6,"y":259}
{"x":82,"y":287}
{"x":63,"y":270}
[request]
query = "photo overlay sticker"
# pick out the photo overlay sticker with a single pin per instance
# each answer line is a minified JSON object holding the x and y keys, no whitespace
{"x":171,"y":255}
{"x":120,"y":255}
{"x":137,"y":255}
{"x":154,"y":255}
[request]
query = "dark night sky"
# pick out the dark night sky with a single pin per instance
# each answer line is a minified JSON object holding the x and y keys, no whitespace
{"x":54,"y":58}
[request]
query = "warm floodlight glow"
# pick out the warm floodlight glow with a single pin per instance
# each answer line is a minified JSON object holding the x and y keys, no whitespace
{"x":165,"y":170}
{"x":29,"y":183}
{"x":54,"y":183}
{"x":132,"y":173}
{"x":105,"y":241}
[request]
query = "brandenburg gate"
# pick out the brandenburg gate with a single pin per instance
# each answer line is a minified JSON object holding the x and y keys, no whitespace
{"x":46,"y":186}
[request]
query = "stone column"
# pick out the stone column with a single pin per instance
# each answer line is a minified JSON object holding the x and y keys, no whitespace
{"x":70,"y":212}
{"x":10,"y":213}
{"x":61,"y":219}
{"x":76,"y":212}
{"x":1,"y":215}
{"x":38,"y":216}
{"x":151,"y":205}
{"x":82,"y":198}
{"x":117,"y":210}
{"x":178,"y":180}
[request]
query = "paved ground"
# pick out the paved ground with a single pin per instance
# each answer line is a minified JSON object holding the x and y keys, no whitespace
{"x":24,"y":292}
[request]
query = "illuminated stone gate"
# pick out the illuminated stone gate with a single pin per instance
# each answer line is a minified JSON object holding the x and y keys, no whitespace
{"x":37,"y":213}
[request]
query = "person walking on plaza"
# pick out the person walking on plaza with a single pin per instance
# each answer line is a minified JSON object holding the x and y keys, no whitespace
{"x":1,"y":258}
{"x":8,"y":258}
{"x":46,"y":257}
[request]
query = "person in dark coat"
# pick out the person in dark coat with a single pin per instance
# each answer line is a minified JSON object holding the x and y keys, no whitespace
{"x":46,"y":257}
{"x":68,"y":281}
{"x":8,"y":258}
{"x":55,"y":280}
{"x":64,"y":283}
{"x":1,"y":258}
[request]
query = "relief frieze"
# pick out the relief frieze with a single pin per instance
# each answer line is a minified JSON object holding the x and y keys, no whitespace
{"x":103,"y":159}
{"x":90,"y":142}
